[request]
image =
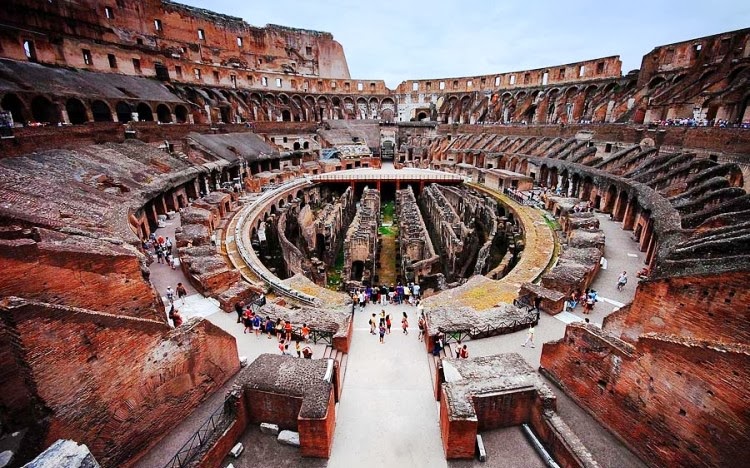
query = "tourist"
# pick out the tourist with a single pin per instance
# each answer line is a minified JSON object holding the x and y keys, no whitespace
{"x":256,"y":325}
{"x":437,"y":345}
{"x":622,"y":280}
{"x":239,"y":307}
{"x":405,"y":324}
{"x":421,"y":324}
{"x":382,"y":332}
{"x":181,"y":291}
{"x":269,"y":327}
{"x":282,"y":347}
{"x":175,"y":316}
{"x":383,"y":295}
{"x":279,"y":329}
{"x":361,"y":298}
{"x":529,"y":337}
{"x":305,"y":333}
{"x":159,"y":254}
{"x":463,"y":352}
{"x":373,"y":323}
{"x":175,"y":262}
{"x":297,"y":348}
{"x":307,"y":352}
{"x":400,"y":293}
{"x":382,"y":317}
{"x":288,"y":331}
{"x":247,"y":320}
{"x":388,"y":323}
{"x":170,"y":294}
{"x":416,"y":290}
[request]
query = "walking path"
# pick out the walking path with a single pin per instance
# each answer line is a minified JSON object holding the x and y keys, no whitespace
{"x":387,"y":416}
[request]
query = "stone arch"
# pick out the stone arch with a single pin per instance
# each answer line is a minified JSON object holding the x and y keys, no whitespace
{"x":44,"y":110}
{"x":286,"y":115}
{"x":124,"y":112}
{"x":76,"y":111}
{"x":609,"y":202}
{"x":655,"y":81}
{"x":181,"y":113}
{"x":678,"y":77}
{"x":101,"y":111}
{"x":13,"y":104}
{"x":163,"y":114}
{"x":145,"y":114}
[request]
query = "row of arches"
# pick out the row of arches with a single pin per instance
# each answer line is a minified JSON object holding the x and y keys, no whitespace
{"x":43,"y":110}
{"x":232,"y":105}
{"x":550,"y":106}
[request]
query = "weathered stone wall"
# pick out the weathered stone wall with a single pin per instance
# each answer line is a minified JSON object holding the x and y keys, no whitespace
{"x":418,"y":257}
{"x":78,"y":271}
{"x":702,"y":308}
{"x":361,"y":242}
{"x":675,"y":401}
{"x":76,"y":362}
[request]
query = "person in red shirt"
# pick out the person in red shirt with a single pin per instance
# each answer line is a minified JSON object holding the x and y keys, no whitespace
{"x":288,"y":331}
{"x":305,"y":332}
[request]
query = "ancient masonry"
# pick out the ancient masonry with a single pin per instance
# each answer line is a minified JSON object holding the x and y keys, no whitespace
{"x":361,"y":243}
{"x":419,"y":261}
{"x":114,"y":116}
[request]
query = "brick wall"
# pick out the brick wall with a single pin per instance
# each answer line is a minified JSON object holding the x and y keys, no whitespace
{"x":505,"y":409}
{"x":117,"y":383}
{"x":459,"y":435}
{"x":55,"y":273}
{"x":707,"y":307}
{"x":675,"y":402}
{"x":316,"y":435}
{"x":215,"y":455}
{"x":273,"y":408}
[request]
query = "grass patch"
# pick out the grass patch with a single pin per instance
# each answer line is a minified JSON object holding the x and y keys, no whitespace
{"x":388,"y":230}
{"x":334,"y":273}
{"x":386,"y":210}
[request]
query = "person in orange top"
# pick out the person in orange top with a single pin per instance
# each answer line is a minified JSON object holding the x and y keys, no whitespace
{"x":288,"y":331}
{"x":305,"y":332}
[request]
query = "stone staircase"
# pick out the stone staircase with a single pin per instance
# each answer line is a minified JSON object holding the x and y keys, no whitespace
{"x":340,"y":360}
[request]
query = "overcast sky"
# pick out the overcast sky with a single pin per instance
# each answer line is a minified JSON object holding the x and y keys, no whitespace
{"x":395,"y":40}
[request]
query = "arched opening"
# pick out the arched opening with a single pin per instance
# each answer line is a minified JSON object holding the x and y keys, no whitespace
{"x":181,"y":113}
{"x":124,"y":112}
{"x":144,"y":113}
{"x":76,"y":111}
{"x":163,"y":114}
{"x":14,"y":105}
{"x":306,"y":145}
{"x":358,"y":269}
{"x":421,"y":116}
{"x":286,"y":116}
{"x":101,"y":111}
{"x":44,"y":111}
{"x":296,"y":146}
{"x":226,"y":114}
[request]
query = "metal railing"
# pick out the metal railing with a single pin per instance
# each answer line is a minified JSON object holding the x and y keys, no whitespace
{"x":216,"y":423}
{"x":458,"y":336}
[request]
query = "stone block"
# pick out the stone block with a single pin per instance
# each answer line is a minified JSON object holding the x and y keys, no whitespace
{"x":268,"y":428}
{"x":237,"y":450}
{"x":289,"y":438}
{"x":243,"y":361}
{"x":481,"y":452}
{"x":65,"y":453}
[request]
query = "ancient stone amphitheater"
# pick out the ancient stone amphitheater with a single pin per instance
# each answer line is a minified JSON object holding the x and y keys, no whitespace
{"x":293,"y":180}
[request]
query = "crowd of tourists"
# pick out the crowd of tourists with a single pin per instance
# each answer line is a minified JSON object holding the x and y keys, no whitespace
{"x":394,"y":295}
{"x":281,"y":330}
{"x":161,"y":248}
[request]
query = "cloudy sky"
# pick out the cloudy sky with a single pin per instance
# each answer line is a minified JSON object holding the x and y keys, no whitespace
{"x":398,"y":40}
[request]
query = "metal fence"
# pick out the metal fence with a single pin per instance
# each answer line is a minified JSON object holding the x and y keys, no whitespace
{"x":216,"y":423}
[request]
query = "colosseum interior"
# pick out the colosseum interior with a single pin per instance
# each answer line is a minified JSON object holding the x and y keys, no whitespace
{"x":280,"y":185}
